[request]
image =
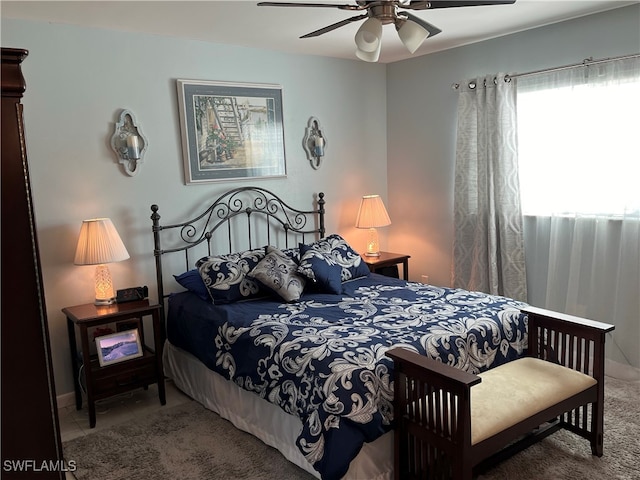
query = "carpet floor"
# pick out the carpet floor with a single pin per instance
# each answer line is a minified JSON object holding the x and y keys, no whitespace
{"x":188,"y":442}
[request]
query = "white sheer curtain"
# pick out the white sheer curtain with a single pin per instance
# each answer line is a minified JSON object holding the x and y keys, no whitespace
{"x":488,"y":243}
{"x":580,"y":170}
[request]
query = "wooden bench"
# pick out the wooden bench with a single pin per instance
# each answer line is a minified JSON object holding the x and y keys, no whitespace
{"x":447,"y":429}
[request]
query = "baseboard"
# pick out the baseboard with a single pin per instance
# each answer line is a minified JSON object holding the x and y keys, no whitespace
{"x":66,"y":399}
{"x":620,"y":371}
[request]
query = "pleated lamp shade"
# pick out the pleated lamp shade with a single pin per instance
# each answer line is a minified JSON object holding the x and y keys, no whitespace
{"x":372,"y":213}
{"x":99,"y":244}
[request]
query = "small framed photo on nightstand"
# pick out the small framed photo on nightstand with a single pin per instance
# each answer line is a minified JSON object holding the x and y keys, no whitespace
{"x":118,"y":347}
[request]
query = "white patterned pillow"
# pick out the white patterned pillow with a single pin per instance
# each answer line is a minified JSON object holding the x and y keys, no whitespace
{"x":278,"y":272}
{"x":225,"y":276}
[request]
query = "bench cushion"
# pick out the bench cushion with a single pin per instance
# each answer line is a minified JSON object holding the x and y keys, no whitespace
{"x":512,"y":392}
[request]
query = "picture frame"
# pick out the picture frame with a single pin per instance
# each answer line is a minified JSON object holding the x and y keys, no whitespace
{"x":231,"y":131}
{"x":118,"y":347}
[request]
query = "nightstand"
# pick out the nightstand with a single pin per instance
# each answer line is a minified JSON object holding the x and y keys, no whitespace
{"x":387,"y":259}
{"x":113,"y":379}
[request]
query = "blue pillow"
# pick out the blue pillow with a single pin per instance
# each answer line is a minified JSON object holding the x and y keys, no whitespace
{"x":225,"y":276}
{"x":192,"y":281}
{"x":336,"y":248}
{"x":320,"y":269}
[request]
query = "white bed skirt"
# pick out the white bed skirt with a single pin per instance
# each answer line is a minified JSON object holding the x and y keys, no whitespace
{"x":264,"y":420}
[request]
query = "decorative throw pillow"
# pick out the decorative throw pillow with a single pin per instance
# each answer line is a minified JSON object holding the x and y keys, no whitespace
{"x":192,"y":281}
{"x":293,"y":253}
{"x":225,"y":276}
{"x":336,"y":249}
{"x":320,"y":269}
{"x":277,"y":271}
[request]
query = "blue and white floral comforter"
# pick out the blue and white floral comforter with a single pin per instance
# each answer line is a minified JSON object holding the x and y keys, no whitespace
{"x":323,"y":359}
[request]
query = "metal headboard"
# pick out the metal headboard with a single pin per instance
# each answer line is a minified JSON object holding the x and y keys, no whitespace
{"x":266,"y":216}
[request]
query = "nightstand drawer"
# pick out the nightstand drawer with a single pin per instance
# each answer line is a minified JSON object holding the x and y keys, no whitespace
{"x":140,"y":373}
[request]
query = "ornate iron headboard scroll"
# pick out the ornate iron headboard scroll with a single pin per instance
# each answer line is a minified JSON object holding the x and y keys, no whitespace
{"x":267,"y":217}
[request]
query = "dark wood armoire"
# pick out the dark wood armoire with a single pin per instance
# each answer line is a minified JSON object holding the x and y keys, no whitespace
{"x":31,"y":445}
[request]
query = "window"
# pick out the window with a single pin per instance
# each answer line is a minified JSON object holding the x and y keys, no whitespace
{"x":579,"y":169}
{"x":578,"y":143}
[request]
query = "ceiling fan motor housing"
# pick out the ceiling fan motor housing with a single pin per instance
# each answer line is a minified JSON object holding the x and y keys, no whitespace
{"x":386,"y":12}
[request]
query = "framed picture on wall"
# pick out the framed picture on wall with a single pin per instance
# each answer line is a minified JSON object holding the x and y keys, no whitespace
{"x":231,"y":131}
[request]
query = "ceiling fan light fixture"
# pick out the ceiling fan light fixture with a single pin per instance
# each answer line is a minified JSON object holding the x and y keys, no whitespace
{"x":411,"y":34}
{"x":369,"y":56}
{"x":412,"y":29}
{"x":369,"y":35}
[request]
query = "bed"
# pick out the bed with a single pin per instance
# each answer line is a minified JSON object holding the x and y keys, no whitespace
{"x":287,"y":340}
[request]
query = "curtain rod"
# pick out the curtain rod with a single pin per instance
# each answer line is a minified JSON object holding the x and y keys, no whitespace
{"x":585,"y":63}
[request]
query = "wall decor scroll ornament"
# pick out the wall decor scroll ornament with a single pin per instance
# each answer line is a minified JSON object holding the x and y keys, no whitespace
{"x":129,"y":143}
{"x":314,"y":142}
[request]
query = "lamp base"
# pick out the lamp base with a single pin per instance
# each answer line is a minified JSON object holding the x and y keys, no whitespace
{"x":104,"y":286}
{"x":373,"y":249}
{"x":104,"y":301}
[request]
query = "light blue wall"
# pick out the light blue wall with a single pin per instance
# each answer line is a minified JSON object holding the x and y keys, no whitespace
{"x":422,"y":121}
{"x":78,"y":79}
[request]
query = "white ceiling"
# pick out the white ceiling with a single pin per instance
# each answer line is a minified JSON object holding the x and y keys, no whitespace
{"x":242,"y":22}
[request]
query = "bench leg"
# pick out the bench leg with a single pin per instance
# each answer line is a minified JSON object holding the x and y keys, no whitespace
{"x":597,"y":426}
{"x":596,"y":446}
{"x":463,"y":471}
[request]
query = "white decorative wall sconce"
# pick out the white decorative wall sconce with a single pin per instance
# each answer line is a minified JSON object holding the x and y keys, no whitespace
{"x":129,"y":143}
{"x":314,"y":142}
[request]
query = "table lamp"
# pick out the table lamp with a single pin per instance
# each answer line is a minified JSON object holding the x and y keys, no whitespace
{"x":99,"y":244}
{"x":372,"y":215}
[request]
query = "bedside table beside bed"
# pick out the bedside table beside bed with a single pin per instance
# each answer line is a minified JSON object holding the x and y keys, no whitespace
{"x":382,"y":263}
{"x":116,"y":378}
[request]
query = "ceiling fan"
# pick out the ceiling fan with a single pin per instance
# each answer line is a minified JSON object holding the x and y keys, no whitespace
{"x":412,"y":30}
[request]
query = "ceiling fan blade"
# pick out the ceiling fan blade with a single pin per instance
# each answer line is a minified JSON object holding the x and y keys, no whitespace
{"x":318,"y":5}
{"x":432,"y":29}
{"x":433,"y":4}
{"x":334,"y":26}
